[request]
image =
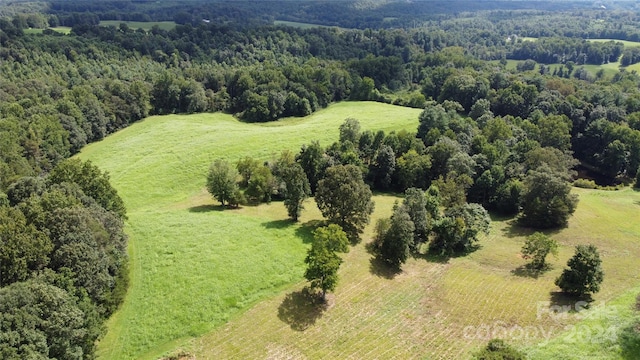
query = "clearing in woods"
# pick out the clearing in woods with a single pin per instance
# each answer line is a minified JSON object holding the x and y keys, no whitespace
{"x":195,"y":268}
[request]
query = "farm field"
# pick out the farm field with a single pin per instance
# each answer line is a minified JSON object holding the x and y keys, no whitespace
{"x":193,"y":267}
{"x":164,"y":25}
{"x":202,"y":286}
{"x":448,"y":309}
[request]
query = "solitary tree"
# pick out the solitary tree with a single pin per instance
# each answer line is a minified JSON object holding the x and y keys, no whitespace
{"x":322,"y":260}
{"x":584,"y":274}
{"x":344,"y":199}
{"x":221,"y":181}
{"x":537,"y":247}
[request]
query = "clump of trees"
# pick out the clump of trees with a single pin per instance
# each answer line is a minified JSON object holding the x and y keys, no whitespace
{"x":63,"y":262}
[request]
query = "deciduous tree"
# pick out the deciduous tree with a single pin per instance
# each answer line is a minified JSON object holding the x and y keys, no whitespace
{"x":344,"y":199}
{"x":221,"y":181}
{"x":322,"y":259}
{"x":584,"y":275}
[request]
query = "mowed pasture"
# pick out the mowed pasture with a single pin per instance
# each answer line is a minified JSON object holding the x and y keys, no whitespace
{"x":194,"y":267}
{"x":447,"y":309}
{"x":228,"y":284}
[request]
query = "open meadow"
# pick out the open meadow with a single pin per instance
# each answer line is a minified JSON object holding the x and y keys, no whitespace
{"x":228,"y":284}
{"x":193,"y":267}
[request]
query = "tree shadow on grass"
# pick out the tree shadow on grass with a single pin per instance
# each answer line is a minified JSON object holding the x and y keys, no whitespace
{"x":381,"y":269}
{"x":278,"y":224}
{"x":301,"y":309}
{"x":208,"y":208}
{"x":529,"y":271}
{"x":305,"y":231}
{"x":514,"y":229}
{"x":563,"y":302}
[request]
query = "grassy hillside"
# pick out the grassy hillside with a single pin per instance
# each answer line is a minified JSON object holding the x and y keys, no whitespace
{"x":447,"y":310}
{"x":194,"y":267}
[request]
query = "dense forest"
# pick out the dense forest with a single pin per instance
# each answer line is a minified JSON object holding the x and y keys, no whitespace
{"x":488,"y":133}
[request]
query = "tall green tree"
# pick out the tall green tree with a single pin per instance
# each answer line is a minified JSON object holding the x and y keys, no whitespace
{"x":344,"y":199}
{"x":322,"y":259}
{"x":396,"y":241}
{"x":221,"y":181}
{"x":416,"y":205}
{"x":297,"y":189}
{"x":547,"y":201}
{"x":584,"y":275}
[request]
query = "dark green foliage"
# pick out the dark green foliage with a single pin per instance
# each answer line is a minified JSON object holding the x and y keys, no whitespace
{"x":221,"y":182}
{"x":313,"y":162}
{"x":344,"y":199}
{"x":547,"y":201}
{"x":497,"y":349}
{"x":41,"y":321}
{"x":296,"y":189}
{"x":536,"y":247}
{"x":584,"y":275}
{"x":260,"y":186}
{"x":24,"y":188}
{"x":396,"y":241}
{"x":415,"y":203}
{"x":322,"y":261}
{"x":23,"y":248}
{"x":384,"y":168}
{"x":457,"y":231}
{"x":92,"y":181}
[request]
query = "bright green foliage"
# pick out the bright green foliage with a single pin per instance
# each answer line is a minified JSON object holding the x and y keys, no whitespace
{"x":458,"y":230}
{"x":41,"y":321}
{"x":397,"y":240}
{"x":537,"y":247}
{"x":344,"y":199}
{"x":221,"y":181}
{"x":296,"y":189}
{"x":584,"y":275}
{"x":23,"y":248}
{"x":261,"y":185}
{"x":546,"y":201}
{"x":497,"y":349}
{"x":246,"y":166}
{"x":92,"y":181}
{"x":322,"y":260}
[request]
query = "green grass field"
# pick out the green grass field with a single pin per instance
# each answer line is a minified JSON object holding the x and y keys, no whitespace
{"x":164,"y":25}
{"x":228,"y":284}
{"x":193,"y":267}
{"x":447,"y":310}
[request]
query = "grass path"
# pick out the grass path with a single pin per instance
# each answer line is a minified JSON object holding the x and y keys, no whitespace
{"x":192,"y":267}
